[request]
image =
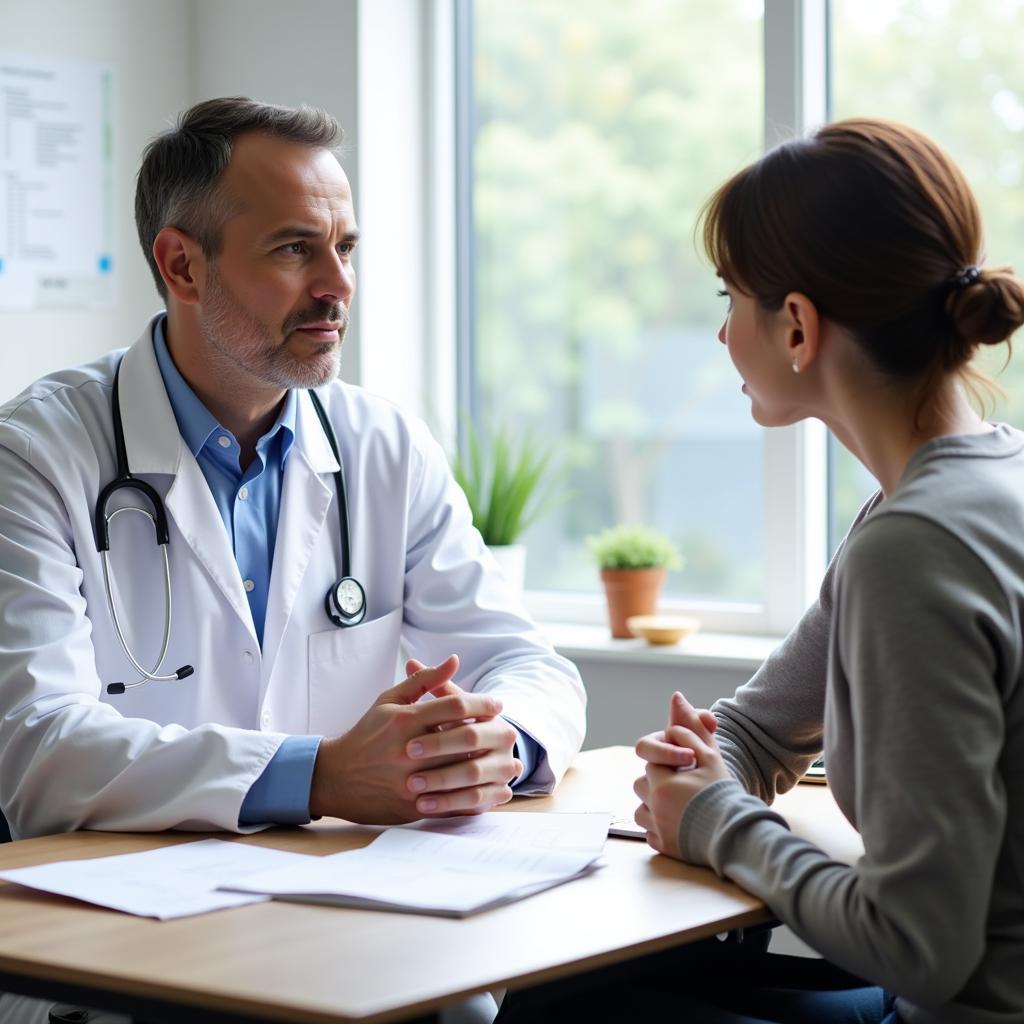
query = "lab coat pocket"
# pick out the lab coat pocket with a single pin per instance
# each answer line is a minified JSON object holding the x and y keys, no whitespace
{"x":348,"y":669}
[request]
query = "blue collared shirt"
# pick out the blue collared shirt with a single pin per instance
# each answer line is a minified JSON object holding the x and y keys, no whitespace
{"x":249,"y":504}
{"x":248,"y":500}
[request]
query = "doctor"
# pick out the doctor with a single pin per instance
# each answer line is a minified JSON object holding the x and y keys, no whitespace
{"x":243,"y":673}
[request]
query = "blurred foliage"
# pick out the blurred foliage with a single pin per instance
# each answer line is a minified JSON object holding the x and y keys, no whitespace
{"x":633,"y":547}
{"x":600,"y":128}
{"x":952,"y":68}
{"x":508,"y":482}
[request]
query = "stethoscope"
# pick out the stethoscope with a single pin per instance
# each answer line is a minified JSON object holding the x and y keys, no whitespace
{"x":345,"y":602}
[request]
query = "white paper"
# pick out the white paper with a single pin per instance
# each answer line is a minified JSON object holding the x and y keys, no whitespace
{"x":444,"y":866}
{"x":172,"y":881}
{"x":533,"y":829}
{"x":57,"y":188}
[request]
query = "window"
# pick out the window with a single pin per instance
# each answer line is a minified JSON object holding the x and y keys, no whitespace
{"x":598,"y":130}
{"x":595,"y":132}
{"x":951,"y":68}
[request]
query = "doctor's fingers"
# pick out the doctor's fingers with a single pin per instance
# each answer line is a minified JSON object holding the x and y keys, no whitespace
{"x":472,"y":800}
{"x":455,"y":709}
{"x":479,"y":780}
{"x":658,"y":749}
{"x":459,"y":740}
{"x":421,"y":682}
{"x":448,"y":690}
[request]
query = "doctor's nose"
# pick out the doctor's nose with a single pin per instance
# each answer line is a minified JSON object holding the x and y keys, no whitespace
{"x":336,"y":281}
{"x":721,"y":332}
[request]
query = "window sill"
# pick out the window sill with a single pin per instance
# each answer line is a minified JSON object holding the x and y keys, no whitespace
{"x":708,"y":650}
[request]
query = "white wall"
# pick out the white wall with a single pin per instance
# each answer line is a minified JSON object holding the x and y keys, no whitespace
{"x":628,"y":699}
{"x":305,"y":51}
{"x":146,"y":41}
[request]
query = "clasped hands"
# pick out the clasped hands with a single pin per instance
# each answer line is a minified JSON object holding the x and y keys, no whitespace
{"x":408,"y":758}
{"x":681,"y":760}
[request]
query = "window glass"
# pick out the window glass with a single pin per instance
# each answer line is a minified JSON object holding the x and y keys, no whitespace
{"x":953,"y":69}
{"x":598,"y":131}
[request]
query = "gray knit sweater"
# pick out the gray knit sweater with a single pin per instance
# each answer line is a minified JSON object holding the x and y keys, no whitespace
{"x":908,"y":673}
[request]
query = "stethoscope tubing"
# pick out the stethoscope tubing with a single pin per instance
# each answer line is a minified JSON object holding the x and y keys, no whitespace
{"x":158,"y":517}
{"x":111,"y":604}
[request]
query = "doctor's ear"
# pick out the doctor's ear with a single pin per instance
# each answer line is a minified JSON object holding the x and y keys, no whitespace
{"x":801,"y":327}
{"x":182,"y":264}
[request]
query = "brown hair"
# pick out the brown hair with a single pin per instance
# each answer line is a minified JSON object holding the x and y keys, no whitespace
{"x":182,"y":167}
{"x":876,"y":225}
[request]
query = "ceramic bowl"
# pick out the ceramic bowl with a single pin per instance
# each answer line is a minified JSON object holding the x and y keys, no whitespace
{"x":662,"y":629}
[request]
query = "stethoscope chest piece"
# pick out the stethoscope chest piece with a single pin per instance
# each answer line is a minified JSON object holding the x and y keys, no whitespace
{"x":345,"y":603}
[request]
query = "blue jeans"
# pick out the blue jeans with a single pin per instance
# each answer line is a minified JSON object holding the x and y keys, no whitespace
{"x":867,"y":1005}
{"x":711,"y":983}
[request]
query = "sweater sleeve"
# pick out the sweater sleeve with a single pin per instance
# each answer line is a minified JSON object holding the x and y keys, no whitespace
{"x":770,"y":730}
{"x":924,"y":641}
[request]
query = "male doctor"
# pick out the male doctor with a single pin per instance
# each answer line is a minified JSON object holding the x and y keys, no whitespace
{"x":246,"y":219}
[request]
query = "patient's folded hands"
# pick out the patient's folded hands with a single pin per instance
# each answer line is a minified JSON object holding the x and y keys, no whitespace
{"x":681,"y":760}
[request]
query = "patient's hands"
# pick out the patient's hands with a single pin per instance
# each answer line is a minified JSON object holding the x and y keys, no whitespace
{"x":681,"y":760}
{"x":456,"y":746}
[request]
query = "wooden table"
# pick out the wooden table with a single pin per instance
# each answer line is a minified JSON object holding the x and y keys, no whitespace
{"x":285,"y":961}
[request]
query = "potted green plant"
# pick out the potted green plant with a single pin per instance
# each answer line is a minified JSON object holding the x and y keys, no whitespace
{"x":634,"y":561}
{"x":509,"y":483}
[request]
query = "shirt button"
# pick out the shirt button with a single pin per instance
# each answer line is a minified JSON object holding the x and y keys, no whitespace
{"x":249,"y":586}
{"x":224,"y":442}
{"x":248,"y":657}
{"x":243,"y":493}
{"x":265,"y":719}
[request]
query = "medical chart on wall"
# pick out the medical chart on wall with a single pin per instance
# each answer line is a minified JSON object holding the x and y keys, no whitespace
{"x":56,"y":183}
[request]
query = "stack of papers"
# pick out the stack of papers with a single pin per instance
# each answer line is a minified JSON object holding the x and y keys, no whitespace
{"x":447,"y":866}
{"x":173,"y":881}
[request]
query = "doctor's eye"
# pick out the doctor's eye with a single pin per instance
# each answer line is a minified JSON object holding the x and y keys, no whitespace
{"x":723,"y":294}
{"x":293,"y":248}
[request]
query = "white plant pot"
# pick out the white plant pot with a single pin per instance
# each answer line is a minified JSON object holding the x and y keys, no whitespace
{"x":511,"y":559}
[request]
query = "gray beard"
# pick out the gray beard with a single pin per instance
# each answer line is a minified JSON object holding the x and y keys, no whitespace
{"x":245,"y":342}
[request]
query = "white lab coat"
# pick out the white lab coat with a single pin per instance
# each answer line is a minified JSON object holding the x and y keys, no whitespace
{"x":183,"y":754}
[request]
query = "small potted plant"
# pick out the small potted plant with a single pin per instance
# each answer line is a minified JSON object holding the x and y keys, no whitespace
{"x":508,"y":484}
{"x":634,"y":561}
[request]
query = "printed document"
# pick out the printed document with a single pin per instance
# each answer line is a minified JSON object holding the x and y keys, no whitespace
{"x":172,"y":881}
{"x":449,"y":866}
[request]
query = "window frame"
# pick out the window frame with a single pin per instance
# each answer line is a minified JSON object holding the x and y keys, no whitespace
{"x":795,"y":466}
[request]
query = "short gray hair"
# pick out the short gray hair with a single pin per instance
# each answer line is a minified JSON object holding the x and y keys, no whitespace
{"x":182,"y":167}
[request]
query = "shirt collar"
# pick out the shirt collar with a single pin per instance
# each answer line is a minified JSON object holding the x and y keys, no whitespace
{"x":195,"y":422}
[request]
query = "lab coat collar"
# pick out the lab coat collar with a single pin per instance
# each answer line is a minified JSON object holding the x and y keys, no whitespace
{"x":155,"y":446}
{"x":152,"y":439}
{"x":310,"y":437}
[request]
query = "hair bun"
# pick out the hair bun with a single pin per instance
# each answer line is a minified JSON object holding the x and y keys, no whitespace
{"x":989,"y":309}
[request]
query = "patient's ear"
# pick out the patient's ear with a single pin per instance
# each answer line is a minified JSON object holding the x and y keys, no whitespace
{"x":801,"y":331}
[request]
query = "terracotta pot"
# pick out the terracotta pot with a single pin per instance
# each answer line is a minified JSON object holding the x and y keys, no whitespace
{"x":631,"y":592}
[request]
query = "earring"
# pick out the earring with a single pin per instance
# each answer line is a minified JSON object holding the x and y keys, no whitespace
{"x":796,"y":365}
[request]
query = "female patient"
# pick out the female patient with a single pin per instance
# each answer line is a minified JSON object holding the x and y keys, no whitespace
{"x":853,"y":266}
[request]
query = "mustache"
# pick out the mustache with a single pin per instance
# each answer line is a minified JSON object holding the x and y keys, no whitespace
{"x":323,"y":312}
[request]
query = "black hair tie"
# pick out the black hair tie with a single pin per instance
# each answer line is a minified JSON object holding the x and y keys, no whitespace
{"x":965,"y":277}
